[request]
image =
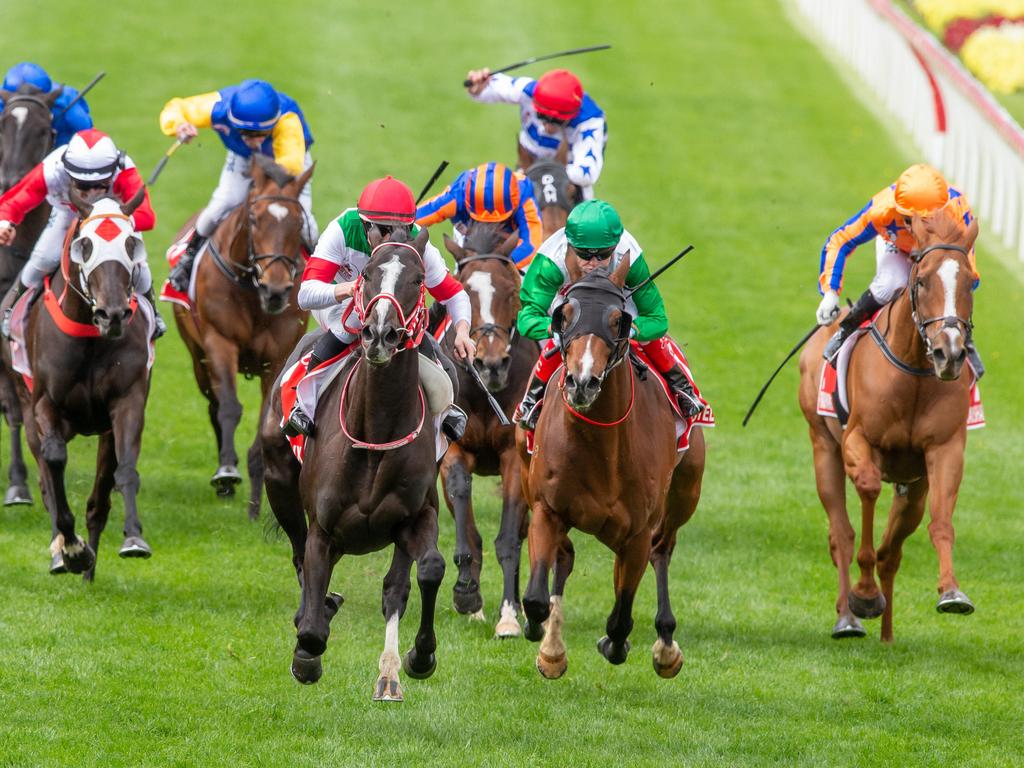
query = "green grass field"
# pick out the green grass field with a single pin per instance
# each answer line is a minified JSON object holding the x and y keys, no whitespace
{"x":727,"y":129}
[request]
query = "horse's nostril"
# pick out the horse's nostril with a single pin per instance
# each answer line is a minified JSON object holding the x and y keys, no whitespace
{"x":126,"y":314}
{"x":391,"y":337}
{"x":99,"y":313}
{"x":367,"y":334}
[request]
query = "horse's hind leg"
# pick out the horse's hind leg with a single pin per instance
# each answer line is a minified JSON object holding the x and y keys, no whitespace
{"x":97,"y":509}
{"x":904,"y":517}
{"x":551,"y":656}
{"x":945,"y":471}
{"x":458,"y":491}
{"x":630,"y":564}
{"x":394,"y":597}
{"x":17,"y":472}
{"x":255,"y":457}
{"x":865,"y":599}
{"x":509,"y":543}
{"x":420,"y":541}
{"x":127,"y":422}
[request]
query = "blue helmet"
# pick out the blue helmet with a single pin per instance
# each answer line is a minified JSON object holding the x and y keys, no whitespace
{"x":27,"y":72}
{"x":254,"y":106}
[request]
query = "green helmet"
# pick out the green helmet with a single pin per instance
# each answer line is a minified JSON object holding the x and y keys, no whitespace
{"x":593,"y":225}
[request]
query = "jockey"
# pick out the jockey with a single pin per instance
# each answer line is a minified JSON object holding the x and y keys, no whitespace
{"x":93,"y":166}
{"x":249,"y":117}
{"x":596,"y":235}
{"x":491,"y":193}
{"x":65,"y":124}
{"x":552,"y":109}
{"x":329,"y":281}
{"x":920,"y":190}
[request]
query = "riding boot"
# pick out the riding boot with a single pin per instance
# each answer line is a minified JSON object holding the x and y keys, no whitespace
{"x":453,"y":422}
{"x":974,"y":358}
{"x":326,"y":347}
{"x":689,"y":403}
{"x":861,"y":310}
{"x":160,"y":327}
{"x":182,"y":272}
{"x":7,"y":305}
{"x":528,"y":411}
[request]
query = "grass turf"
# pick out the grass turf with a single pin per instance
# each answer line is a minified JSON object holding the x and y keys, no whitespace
{"x":728,"y":129}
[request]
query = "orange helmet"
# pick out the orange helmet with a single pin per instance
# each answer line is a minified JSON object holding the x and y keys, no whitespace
{"x":920,"y":190}
{"x":492,"y":192}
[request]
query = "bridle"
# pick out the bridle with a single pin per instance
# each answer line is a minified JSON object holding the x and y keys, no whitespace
{"x":413,"y":325}
{"x":30,"y":98}
{"x":491,"y":329}
{"x":948,"y":321}
{"x":82,"y":288}
{"x":257,"y":264}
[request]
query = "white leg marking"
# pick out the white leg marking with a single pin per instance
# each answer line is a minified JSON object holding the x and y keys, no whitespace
{"x":508,"y":624}
{"x":391,"y":272}
{"x":390,"y":660}
{"x":278,"y":211}
{"x":481,"y":283}
{"x":552,"y":645}
{"x":57,"y":544}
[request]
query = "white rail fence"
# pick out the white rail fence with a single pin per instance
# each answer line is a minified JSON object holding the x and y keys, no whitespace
{"x":954,"y":121}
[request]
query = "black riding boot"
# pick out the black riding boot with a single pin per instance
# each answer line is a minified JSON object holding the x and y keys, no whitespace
{"x":529,"y":409}
{"x":182,"y":272}
{"x":453,"y":418}
{"x":327,"y":346}
{"x":688,"y":401}
{"x":974,"y":358}
{"x":160,"y":327}
{"x":861,"y":310}
{"x":7,"y":305}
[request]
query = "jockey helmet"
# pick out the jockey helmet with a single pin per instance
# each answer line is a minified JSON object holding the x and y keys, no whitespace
{"x":558,"y":95}
{"x":27,"y":72}
{"x":387,"y":201}
{"x":920,"y":190}
{"x":492,"y":192}
{"x":92,"y":156}
{"x":593,"y":225}
{"x":254,"y":106}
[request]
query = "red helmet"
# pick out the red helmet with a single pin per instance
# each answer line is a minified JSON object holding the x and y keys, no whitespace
{"x":387,"y":201}
{"x":558,"y":94}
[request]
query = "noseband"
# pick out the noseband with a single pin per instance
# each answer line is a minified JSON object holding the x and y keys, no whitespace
{"x":594,"y":292}
{"x":256,"y":264}
{"x":413,"y":325}
{"x":491,"y":329}
{"x":948,"y":321}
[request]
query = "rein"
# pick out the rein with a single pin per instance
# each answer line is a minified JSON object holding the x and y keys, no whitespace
{"x":490,"y":329}
{"x":413,"y":326}
{"x":253,"y":268}
{"x":388,"y":446}
{"x":581,"y":417}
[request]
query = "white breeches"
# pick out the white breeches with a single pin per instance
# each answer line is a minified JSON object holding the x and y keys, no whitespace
{"x":235,"y":180}
{"x":330,"y":318}
{"x":892,"y":270}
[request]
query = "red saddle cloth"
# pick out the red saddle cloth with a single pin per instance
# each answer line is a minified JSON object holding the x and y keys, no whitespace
{"x":289,"y":392}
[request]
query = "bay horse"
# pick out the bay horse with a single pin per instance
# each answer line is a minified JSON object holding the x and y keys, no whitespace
{"x":26,"y":135}
{"x":604,"y":462}
{"x":369,"y":476}
{"x":89,"y":355}
{"x":245,"y":317}
{"x":556,"y":195}
{"x":504,"y":360}
{"x":908,"y":398}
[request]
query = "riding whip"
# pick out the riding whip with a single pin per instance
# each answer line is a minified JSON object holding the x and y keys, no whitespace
{"x":658,"y":271}
{"x":163,"y":161}
{"x":475,"y":375}
{"x":81,"y":94}
{"x":518,"y":64}
{"x":437,"y":173}
{"x":764,"y":389}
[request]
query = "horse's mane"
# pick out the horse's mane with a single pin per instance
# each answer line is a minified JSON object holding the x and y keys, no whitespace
{"x":273,"y":171}
{"x":944,"y":226}
{"x":482,"y":237}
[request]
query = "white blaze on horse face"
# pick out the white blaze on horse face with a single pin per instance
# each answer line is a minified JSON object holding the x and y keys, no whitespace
{"x":19,"y":114}
{"x":587,"y":361}
{"x":391,"y":272}
{"x":948,"y":272}
{"x":481,"y":283}
{"x":278,"y":211}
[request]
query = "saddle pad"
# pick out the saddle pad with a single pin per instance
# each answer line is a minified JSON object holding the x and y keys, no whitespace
{"x":173,"y":255}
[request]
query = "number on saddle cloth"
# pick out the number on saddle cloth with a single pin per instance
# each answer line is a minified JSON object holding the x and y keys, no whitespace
{"x":550,"y":184}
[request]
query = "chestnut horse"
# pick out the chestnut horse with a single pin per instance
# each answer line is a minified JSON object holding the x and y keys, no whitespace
{"x":26,"y":135}
{"x":556,"y":196}
{"x":605,"y":462}
{"x":503,"y":360}
{"x":245,"y":317}
{"x":90,"y":377}
{"x":908,"y":397}
{"x":369,"y":476}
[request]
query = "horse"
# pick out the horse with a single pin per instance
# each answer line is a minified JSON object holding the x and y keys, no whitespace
{"x":503,"y":361}
{"x":556,"y":195}
{"x":369,"y":477}
{"x":89,"y":356}
{"x":26,"y":135}
{"x":245,"y":317}
{"x":605,"y":462}
{"x":909,"y":399}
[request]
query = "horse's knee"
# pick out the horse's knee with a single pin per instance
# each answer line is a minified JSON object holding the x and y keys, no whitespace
{"x":459,"y":483}
{"x":54,"y":450}
{"x":229,"y":409}
{"x":430,"y":569}
{"x":126,"y":479}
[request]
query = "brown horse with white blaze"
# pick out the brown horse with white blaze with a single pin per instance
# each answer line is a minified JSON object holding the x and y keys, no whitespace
{"x":909,"y":396}
{"x":605,"y":462}
{"x":246,"y":318}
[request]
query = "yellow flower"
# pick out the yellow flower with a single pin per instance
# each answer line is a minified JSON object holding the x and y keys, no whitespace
{"x":938,"y":13}
{"x":996,"y":56}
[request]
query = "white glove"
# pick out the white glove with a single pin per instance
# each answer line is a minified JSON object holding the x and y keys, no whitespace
{"x":828,"y":309}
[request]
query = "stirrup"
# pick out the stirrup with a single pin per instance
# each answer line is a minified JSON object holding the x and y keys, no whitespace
{"x":453,"y":422}
{"x":5,"y":324}
{"x":973,"y":358}
{"x":528,"y":414}
{"x":833,"y":346}
{"x":298,"y":423}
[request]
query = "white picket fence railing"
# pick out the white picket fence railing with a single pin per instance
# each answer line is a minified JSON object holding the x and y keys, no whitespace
{"x":954,"y":121}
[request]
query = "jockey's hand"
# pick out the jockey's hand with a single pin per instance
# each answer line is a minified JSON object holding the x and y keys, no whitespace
{"x":828,"y":309}
{"x":465,"y":348}
{"x":477,"y":80}
{"x":343,"y":291}
{"x":186,"y":132}
{"x":7,"y":233}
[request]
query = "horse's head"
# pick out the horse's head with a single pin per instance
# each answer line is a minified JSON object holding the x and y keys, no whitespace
{"x":389,"y":294}
{"x":26,"y":132}
{"x":941,"y":288}
{"x":593,"y":326}
{"x":103,"y":258}
{"x":276,"y":220}
{"x":492,"y":281}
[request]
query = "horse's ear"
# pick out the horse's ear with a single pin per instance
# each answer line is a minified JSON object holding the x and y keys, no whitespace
{"x":510,"y":243}
{"x":619,"y":275}
{"x":259,"y":170}
{"x":572,"y":264}
{"x":374,"y":237}
{"x":129,"y":208}
{"x":420,"y":243}
{"x":52,"y":96}
{"x":299,"y":184}
{"x":84,"y":209}
{"x":972,"y":232}
{"x":454,"y":249}
{"x":5,"y":95}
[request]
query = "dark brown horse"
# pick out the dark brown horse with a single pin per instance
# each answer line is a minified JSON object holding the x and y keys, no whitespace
{"x":556,"y":195}
{"x":503,"y":360}
{"x":604,"y":462}
{"x":246,"y":318}
{"x":909,"y":397}
{"x":369,"y":477}
{"x":90,"y":377}
{"x":26,"y":135}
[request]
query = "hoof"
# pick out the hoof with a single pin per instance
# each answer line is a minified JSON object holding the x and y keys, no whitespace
{"x":551,"y":667}
{"x":225,"y":480}
{"x":387,"y":689}
{"x":418,"y":671}
{"x":607,"y":649}
{"x":78,"y":557}
{"x":17,"y":494}
{"x":955,"y":601}
{"x":848,"y":626}
{"x":306,"y":669}
{"x":533,"y":632}
{"x":866,"y":607}
{"x":135,"y":546}
{"x":467,"y":601}
{"x":507,"y":626}
{"x":667,"y":660}
{"x":57,"y":566}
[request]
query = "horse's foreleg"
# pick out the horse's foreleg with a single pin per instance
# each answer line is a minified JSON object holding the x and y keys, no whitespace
{"x":127,"y":421}
{"x":509,"y":543}
{"x":545,"y":537}
{"x":281,"y":476}
{"x":630,"y":564}
{"x":313,"y":625}
{"x":551,"y":656}
{"x":394,"y":598}
{"x":945,"y":471}
{"x":97,"y":508}
{"x":222,"y":363}
{"x":668,"y":659}
{"x":865,"y":599}
{"x":458,"y":492}
{"x":904,"y":517}
{"x":17,"y":472}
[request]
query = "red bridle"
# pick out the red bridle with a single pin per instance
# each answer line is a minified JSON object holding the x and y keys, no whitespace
{"x":413,"y":325}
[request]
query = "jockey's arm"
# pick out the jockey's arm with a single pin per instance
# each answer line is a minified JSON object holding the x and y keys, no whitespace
{"x":126,"y":186}
{"x":857,"y":230}
{"x":586,"y":146}
{"x":289,"y":143}
{"x":540,"y":286}
{"x":651,"y":321}
{"x":503,"y":89}
{"x":195,"y":110}
{"x":19,"y":200}
{"x":439,"y":208}
{"x":531,"y":233}
{"x":316,"y":291}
